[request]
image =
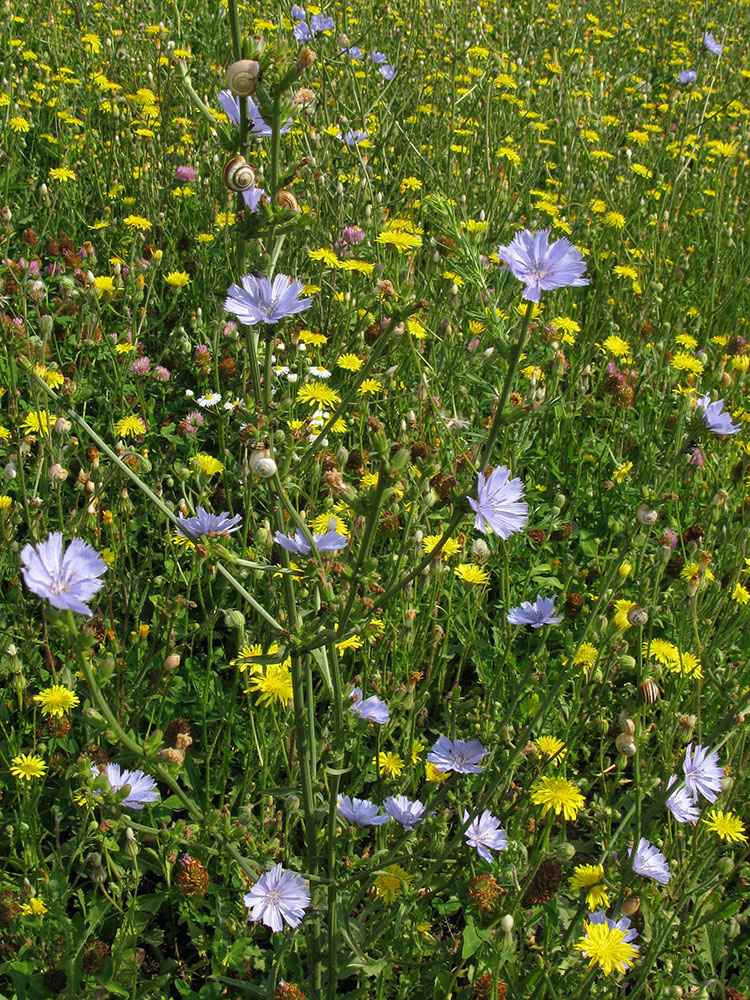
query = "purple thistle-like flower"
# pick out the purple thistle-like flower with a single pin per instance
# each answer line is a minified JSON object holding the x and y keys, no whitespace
{"x":460,"y":756}
{"x":209,"y":525}
{"x":259,"y":301}
{"x":541,"y":612}
{"x":498,"y":504}
{"x":715,"y":417}
{"x":186,"y":174}
{"x":485,"y":834}
{"x":230,"y":105}
{"x":542,"y":266}
{"x":372,"y":709}
{"x":141,"y":787}
{"x":651,"y":863}
{"x":353,"y":137}
{"x":66,"y":581}
{"x":710,"y":43}
{"x":360,"y":812}
{"x":277,"y":897}
{"x":687,"y":76}
{"x":298,"y":545}
{"x":703,"y":775}
{"x":405,"y":811}
{"x":682,"y":804}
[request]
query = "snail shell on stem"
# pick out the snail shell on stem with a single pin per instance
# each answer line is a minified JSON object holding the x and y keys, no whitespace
{"x":243,"y":76}
{"x":237,"y":174}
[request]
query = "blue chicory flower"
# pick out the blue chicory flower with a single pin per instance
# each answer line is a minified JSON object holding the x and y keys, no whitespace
{"x":360,"y":812}
{"x":208,"y":525}
{"x":485,"y":834}
{"x":651,"y":863}
{"x":682,"y":804}
{"x":460,"y":756}
{"x":687,"y":76}
{"x":66,"y":580}
{"x":715,"y":417}
{"x":703,"y":775}
{"x":230,"y":105}
{"x":141,"y":787}
{"x":259,"y":301}
{"x":298,"y":545}
{"x":405,"y":811}
{"x":498,"y":504}
{"x":277,"y":897}
{"x":710,"y":43}
{"x":541,"y":612}
{"x":542,"y":266}
{"x":372,"y":709}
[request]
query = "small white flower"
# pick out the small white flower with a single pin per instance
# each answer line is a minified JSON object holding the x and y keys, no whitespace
{"x":210,"y":400}
{"x":320,"y":372}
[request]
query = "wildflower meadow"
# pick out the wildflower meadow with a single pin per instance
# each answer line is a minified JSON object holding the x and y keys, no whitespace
{"x":375,"y":503}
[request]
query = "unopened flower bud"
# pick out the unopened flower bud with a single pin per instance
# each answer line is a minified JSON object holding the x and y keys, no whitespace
{"x":234,"y":619}
{"x":305,"y":59}
{"x":480,"y":550}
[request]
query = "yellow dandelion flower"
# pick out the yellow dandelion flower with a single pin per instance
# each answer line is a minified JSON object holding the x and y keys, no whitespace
{"x":417,"y":749}
{"x":105,"y":284}
{"x":586,"y":656}
{"x":62,"y":174}
{"x":726,"y":825}
{"x":37,"y":422}
{"x":349,"y":362}
{"x":614,"y":220}
{"x":451,"y":547}
{"x":5,"y":502}
{"x":130,"y":426}
{"x":125,"y":347}
{"x":137,"y":222}
{"x":389,"y":763}
{"x":207,"y":464}
{"x":558,"y":794}
{"x":327,"y":256}
{"x":391,"y":883}
{"x":51,"y":376}
{"x":741,"y":594}
{"x":590,"y":877}
{"x":319,"y":524}
{"x":622,"y":472}
{"x":616,"y":346}
{"x":56,"y":700}
{"x":433,"y":775}
{"x":318,"y":394}
{"x":683,"y":362}
{"x":275,"y":684}
{"x":621,"y":614}
{"x":35,"y":907}
{"x":551,"y":747}
{"x":472,"y":574}
{"x":177,"y":279}
{"x":18,"y":124}
{"x":370,"y":385}
{"x":606,"y":946}
{"x":399,"y":240}
{"x":27,"y":766}
{"x":662,"y":651}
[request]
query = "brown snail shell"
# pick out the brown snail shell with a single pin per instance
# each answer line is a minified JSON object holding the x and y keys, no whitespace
{"x":285,"y":199}
{"x":237,"y":174}
{"x":243,"y":76}
{"x":626,"y":745}
{"x":649,"y":691}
